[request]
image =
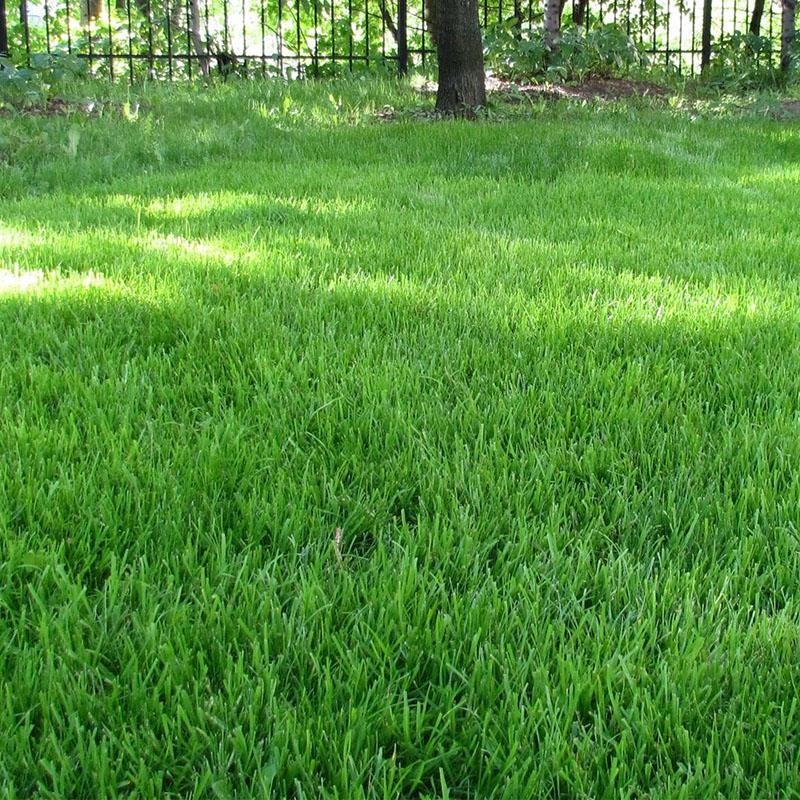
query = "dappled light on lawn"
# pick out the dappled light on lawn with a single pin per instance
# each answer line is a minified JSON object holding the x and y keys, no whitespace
{"x":16,"y":281}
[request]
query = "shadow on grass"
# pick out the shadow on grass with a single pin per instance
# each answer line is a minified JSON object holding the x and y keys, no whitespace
{"x":403,"y":220}
{"x":378,"y":387}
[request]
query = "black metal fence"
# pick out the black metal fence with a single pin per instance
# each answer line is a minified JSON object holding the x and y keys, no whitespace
{"x":134,"y":39}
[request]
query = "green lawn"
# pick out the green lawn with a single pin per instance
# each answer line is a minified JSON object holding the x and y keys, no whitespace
{"x":543,"y":374}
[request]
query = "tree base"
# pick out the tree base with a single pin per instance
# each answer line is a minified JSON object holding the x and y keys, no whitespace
{"x":462,"y":96}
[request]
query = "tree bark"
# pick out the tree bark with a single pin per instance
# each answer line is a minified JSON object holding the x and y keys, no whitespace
{"x":553,"y":11}
{"x":462,"y":80}
{"x":197,"y":39}
{"x":705,"y":38}
{"x":3,"y":30}
{"x":431,"y":24}
{"x":787,"y":32}
{"x":175,"y":15}
{"x":579,"y":12}
{"x":387,"y":19}
{"x":91,"y":10}
{"x":755,"y":17}
{"x":552,"y":23}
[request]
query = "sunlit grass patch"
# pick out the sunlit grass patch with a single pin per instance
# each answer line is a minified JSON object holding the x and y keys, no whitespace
{"x":17,"y":281}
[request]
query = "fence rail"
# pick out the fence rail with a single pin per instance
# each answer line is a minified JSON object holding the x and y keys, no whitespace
{"x":133,"y":39}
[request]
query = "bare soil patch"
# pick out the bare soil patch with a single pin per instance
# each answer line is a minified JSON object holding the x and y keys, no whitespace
{"x":788,"y":109}
{"x":607,"y":89}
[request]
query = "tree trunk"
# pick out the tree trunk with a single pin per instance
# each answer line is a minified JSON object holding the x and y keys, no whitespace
{"x":787,"y":32}
{"x":3,"y":30}
{"x":91,"y":11}
{"x":175,"y":15}
{"x":387,"y":19}
{"x":552,"y":23}
{"x":755,"y":17}
{"x":553,"y":11}
{"x":431,"y":26}
{"x":462,"y":80}
{"x":197,"y":38}
{"x":579,"y":12}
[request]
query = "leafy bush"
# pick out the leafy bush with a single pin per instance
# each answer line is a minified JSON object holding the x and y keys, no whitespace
{"x":510,"y":54}
{"x":602,"y":52}
{"x":744,"y":61}
{"x":22,"y":85}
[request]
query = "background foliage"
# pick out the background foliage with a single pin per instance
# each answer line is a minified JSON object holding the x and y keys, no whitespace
{"x":161,"y":38}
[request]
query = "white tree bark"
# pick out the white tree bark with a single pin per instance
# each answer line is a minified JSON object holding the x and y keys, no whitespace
{"x":552,"y":23}
{"x":788,"y":11}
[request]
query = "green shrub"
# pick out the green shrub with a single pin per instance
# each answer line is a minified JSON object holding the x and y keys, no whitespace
{"x":744,"y":61}
{"x":34,"y":84}
{"x":605,"y":51}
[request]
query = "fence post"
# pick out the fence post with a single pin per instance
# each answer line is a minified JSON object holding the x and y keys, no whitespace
{"x":3,"y":29}
{"x":705,"y":51}
{"x":402,"y":36}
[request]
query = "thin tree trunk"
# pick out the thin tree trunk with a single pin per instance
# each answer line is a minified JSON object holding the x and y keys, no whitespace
{"x":197,"y":38}
{"x":3,"y":30}
{"x":462,"y":80}
{"x":755,"y":17}
{"x":91,"y":10}
{"x":552,"y":23}
{"x":553,"y":11}
{"x":787,"y":32}
{"x":387,"y":19}
{"x":579,"y":12}
{"x":175,"y":14}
